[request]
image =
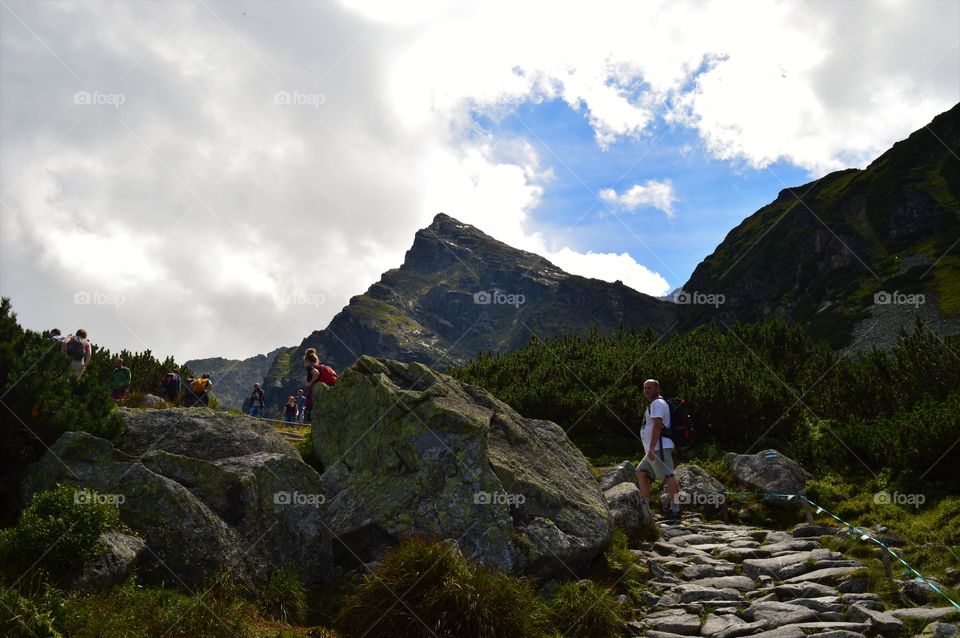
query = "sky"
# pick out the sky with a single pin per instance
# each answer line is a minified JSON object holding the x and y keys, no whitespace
{"x":219,"y":178}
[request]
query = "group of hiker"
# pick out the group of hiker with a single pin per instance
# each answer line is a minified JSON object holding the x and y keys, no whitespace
{"x":298,"y":408}
{"x":193,"y":391}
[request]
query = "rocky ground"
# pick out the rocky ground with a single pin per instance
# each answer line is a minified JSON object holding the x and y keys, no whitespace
{"x":724,"y":581}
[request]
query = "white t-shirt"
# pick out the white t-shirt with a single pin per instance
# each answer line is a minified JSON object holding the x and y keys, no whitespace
{"x":657,"y":408}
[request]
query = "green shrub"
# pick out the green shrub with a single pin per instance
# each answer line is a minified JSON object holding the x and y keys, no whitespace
{"x":284,"y":598}
{"x":439,"y":588}
{"x":56,"y":533}
{"x":583,"y":609}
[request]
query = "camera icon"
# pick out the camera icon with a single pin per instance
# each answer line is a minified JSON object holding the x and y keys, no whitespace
{"x":82,"y":298}
{"x":281,"y":498}
{"x":82,"y":497}
{"x":882,"y":498}
{"x":82,"y":97}
{"x":882,"y":298}
{"x":282,"y":97}
{"x":682,"y":296}
{"x":483,"y":297}
{"x":482,"y":498}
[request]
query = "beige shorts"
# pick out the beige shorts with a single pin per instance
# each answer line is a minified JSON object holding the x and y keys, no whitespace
{"x":661,"y":466}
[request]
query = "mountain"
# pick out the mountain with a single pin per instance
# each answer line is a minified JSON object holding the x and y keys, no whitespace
{"x":460,"y":291}
{"x":854,"y":255}
{"x":233,"y":379}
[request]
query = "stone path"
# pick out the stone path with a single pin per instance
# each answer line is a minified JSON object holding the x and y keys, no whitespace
{"x":725,"y":581}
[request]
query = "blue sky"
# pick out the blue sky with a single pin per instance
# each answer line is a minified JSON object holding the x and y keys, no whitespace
{"x":713,"y":195}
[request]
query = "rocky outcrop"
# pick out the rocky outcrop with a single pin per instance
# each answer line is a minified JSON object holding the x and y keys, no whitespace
{"x":206,"y":492}
{"x":411,"y":452}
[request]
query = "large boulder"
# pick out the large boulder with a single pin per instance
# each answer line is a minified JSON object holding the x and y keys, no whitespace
{"x":624,"y":472}
{"x":207,"y":493}
{"x":769,"y":472}
{"x":118,"y":556}
{"x":409,"y":452}
{"x":630,"y":511}
{"x":698,"y":491}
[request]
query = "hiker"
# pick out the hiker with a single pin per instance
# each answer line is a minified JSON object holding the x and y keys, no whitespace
{"x":120,"y":380}
{"x":316,"y":373}
{"x":290,"y":410}
{"x":200,"y":388}
{"x":301,"y":403}
{"x":170,"y":383}
{"x":78,"y":350}
{"x":55,"y":336}
{"x":256,"y":401}
{"x":658,"y":448}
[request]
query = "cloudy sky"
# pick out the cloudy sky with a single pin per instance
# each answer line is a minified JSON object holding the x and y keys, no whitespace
{"x":218,"y":178}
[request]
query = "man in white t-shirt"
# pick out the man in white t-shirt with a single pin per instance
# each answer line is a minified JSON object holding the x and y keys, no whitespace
{"x":657,"y":449}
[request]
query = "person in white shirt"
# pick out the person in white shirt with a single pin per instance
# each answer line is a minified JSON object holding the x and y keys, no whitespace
{"x":658,"y":449}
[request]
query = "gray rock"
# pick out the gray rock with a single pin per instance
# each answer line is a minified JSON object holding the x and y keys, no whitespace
{"x":828,"y":575}
{"x":739,"y":554}
{"x":411,"y":452}
{"x":674,"y":621}
{"x":920,"y":591}
{"x":792,"y":545}
{"x":939,"y":630}
{"x":836,"y":633}
{"x":785,"y":566}
{"x":855,"y":584}
{"x":735,"y":631}
{"x":708,"y":570}
{"x":807,"y":530}
{"x":688,"y":593}
{"x":717,"y":623}
{"x":628,"y":509}
{"x":200,"y":489}
{"x":114,"y":565}
{"x":625,"y":472}
{"x":769,"y":471}
{"x":740,"y":583}
{"x":699,"y":491}
{"x":781,"y":632}
{"x":777,"y":614}
{"x":853,"y":628}
{"x":926,"y":613}
{"x":865,"y":599}
{"x":803,"y":590}
{"x":879,"y":621}
{"x":151,"y":401}
{"x":820,"y":604}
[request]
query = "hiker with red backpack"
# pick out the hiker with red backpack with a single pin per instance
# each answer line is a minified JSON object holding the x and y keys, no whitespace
{"x":658,"y":446}
{"x":78,"y":350}
{"x":316,"y":373}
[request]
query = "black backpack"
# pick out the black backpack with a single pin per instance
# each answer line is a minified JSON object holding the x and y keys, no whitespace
{"x":75,"y":349}
{"x":680,"y":431}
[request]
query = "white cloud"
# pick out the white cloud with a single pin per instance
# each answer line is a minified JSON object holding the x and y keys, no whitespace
{"x":653,"y":194}
{"x":210,"y":207}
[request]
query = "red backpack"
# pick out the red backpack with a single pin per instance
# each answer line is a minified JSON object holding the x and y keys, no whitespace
{"x":327,"y":374}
